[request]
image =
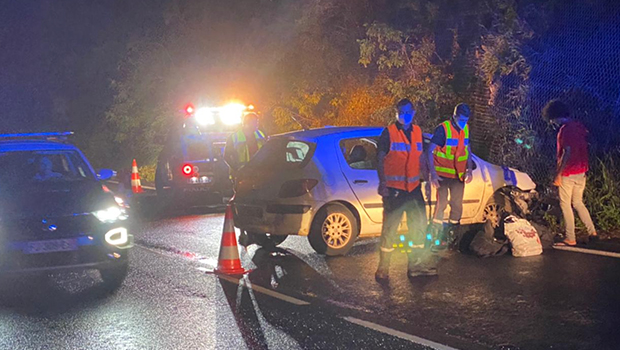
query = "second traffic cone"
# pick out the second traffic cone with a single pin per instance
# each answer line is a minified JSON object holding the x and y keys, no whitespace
{"x":228,"y":262}
{"x":136,"y":185}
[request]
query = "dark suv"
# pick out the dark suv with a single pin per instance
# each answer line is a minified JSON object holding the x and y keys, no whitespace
{"x":55,"y":212}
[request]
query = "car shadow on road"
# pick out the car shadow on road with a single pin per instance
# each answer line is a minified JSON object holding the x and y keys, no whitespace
{"x":51,"y":294}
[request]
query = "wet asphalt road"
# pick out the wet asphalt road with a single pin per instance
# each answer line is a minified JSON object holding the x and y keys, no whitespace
{"x":560,"y":300}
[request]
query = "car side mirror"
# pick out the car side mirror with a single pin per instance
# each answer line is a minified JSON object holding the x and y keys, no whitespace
{"x":105,"y":174}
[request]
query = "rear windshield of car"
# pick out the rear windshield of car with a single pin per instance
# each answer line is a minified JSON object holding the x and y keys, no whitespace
{"x":18,"y":167}
{"x":281,"y":154}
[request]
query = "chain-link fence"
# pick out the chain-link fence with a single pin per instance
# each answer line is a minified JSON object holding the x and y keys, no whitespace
{"x":577,"y":60}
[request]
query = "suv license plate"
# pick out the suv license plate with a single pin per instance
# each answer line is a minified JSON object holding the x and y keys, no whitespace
{"x":51,"y":246}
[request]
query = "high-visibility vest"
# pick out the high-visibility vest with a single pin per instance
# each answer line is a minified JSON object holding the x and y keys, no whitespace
{"x":451,"y":159}
{"x":402,"y":163}
{"x":241,"y":145}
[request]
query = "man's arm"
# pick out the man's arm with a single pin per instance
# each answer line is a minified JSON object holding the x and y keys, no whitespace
{"x":382,"y":151}
{"x":563,"y":160}
{"x":433,"y":177}
{"x":470,"y":166}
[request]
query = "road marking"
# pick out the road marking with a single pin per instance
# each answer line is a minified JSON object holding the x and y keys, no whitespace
{"x":246,"y":283}
{"x":588,"y":251}
{"x":399,"y":334}
{"x":263,"y":290}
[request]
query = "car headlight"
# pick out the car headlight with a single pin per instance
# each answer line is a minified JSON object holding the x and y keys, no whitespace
{"x":110,"y":215}
{"x":117,"y":236}
{"x":204,"y":116}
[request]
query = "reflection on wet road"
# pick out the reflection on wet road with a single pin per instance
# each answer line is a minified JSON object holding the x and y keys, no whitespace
{"x":295,"y":298}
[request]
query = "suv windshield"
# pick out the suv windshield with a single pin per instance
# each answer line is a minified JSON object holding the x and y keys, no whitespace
{"x":42,"y":166}
{"x":282,"y":154}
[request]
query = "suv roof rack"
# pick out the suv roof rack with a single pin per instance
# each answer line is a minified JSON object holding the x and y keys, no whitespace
{"x":50,"y":136}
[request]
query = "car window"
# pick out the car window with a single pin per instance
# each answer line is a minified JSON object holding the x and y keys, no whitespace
{"x":360,"y":153}
{"x":280,"y":153}
{"x":42,"y":166}
{"x":296,"y":151}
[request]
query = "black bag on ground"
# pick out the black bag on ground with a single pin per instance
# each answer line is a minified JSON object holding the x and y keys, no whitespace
{"x":490,"y":241}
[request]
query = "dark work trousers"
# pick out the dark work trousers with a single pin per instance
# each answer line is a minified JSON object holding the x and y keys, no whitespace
{"x":397,"y":203}
{"x":455,"y":188}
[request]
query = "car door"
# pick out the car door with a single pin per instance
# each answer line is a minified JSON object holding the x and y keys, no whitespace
{"x":474,"y":191}
{"x":360,"y":170}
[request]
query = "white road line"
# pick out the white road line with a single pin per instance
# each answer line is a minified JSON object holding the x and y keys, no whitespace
{"x":264,"y":290}
{"x":588,"y":251}
{"x":399,"y":334}
{"x":238,"y":281}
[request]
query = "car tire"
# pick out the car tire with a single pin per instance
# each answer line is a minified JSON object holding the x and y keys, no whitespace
{"x":497,"y":206}
{"x":334,"y":230}
{"x":113,"y":277}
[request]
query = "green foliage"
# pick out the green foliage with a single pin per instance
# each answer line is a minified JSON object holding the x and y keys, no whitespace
{"x":602,"y":194}
{"x":147,"y":174}
{"x":409,"y":66}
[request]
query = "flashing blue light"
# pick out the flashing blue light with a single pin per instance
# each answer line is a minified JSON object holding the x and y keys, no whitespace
{"x":528,"y":146}
{"x":38,"y":134}
{"x":437,"y":242}
{"x":410,"y":243}
{"x":429,"y":236}
{"x":519,"y":141}
{"x":402,"y":238}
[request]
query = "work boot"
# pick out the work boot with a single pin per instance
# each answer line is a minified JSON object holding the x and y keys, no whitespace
{"x":440,"y":232}
{"x":413,"y":263}
{"x":452,"y":236}
{"x":383,"y":271}
{"x":427,"y":265}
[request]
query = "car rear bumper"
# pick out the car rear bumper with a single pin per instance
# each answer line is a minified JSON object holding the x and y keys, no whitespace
{"x":275,"y":219}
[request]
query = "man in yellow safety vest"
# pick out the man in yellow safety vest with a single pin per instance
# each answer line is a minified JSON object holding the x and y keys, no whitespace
{"x":243,"y":144}
{"x":449,"y":156}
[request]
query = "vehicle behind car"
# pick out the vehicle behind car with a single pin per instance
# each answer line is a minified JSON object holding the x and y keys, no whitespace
{"x":192,"y":160}
{"x":56,"y":214}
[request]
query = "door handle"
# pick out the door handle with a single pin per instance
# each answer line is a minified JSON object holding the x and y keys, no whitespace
{"x":360,"y":181}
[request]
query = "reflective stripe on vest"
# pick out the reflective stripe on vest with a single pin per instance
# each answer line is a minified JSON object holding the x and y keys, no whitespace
{"x":453,"y":156}
{"x":241,"y":146}
{"x":402,"y":163}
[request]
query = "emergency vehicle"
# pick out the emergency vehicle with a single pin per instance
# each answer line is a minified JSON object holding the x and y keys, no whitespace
{"x":192,"y":160}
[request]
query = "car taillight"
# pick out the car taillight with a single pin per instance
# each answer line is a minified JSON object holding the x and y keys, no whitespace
{"x":187,"y":169}
{"x":296,"y":188}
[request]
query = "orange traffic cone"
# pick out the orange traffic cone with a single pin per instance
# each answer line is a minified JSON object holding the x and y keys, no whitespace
{"x":136,"y":186}
{"x":228,"y":262}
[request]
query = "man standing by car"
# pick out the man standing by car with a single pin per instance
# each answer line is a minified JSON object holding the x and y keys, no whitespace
{"x":572,"y":162}
{"x":400,"y":164}
{"x":240,"y":148}
{"x":243,"y":144}
{"x":450,"y":169}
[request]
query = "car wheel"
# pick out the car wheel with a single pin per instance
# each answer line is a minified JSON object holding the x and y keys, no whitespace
{"x":113,"y":277}
{"x":497,"y":207}
{"x":333,"y":230}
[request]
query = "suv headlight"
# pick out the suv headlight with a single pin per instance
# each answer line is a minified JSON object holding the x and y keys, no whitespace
{"x":110,"y":215}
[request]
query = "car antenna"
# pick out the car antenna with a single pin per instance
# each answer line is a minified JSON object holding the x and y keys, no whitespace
{"x":293,"y":114}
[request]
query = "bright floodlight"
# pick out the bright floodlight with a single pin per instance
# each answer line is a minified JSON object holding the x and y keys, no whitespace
{"x":204,"y":116}
{"x":231,"y":113}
